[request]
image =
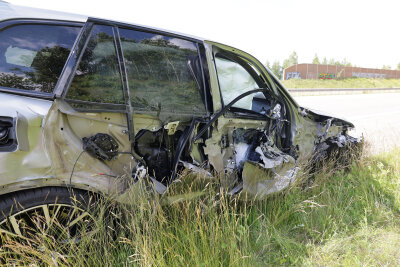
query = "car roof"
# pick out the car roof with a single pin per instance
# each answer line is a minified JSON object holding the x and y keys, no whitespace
{"x":9,"y":11}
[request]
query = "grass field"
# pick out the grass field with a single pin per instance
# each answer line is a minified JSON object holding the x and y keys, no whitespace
{"x":343,"y":83}
{"x":341,"y":219}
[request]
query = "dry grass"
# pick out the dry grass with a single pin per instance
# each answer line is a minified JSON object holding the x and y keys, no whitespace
{"x":341,"y":218}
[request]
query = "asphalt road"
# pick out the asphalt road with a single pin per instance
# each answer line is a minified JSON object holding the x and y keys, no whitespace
{"x":376,"y":116}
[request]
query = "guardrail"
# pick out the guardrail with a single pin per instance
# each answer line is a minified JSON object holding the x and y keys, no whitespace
{"x":318,"y":90}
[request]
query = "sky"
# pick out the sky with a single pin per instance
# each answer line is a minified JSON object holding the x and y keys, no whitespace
{"x":364,"y":32}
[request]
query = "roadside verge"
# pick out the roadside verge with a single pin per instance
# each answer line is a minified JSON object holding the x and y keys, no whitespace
{"x":340,"y":91}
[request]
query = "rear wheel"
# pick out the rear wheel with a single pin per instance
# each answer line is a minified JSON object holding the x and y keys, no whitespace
{"x":57,"y":213}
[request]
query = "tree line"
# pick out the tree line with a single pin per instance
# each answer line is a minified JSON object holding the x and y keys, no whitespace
{"x":277,"y":67}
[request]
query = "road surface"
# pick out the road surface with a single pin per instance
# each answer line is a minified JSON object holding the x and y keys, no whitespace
{"x":376,"y":116}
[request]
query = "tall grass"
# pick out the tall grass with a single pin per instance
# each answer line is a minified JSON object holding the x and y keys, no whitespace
{"x":341,"y":218}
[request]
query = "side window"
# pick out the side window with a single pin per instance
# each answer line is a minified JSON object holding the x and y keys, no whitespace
{"x":97,"y":78}
{"x":32,"y":56}
{"x":160,"y":76}
{"x":235,"y":80}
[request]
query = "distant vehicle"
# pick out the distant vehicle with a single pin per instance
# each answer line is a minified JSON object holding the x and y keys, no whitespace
{"x":91,"y":105}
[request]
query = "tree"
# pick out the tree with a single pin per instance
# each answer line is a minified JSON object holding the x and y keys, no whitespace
{"x":398,"y":66}
{"x":277,"y":69}
{"x":332,"y":61}
{"x":316,"y":60}
{"x":286,"y":64}
{"x":14,"y":81}
{"x":268,"y":65}
{"x":386,"y":67}
{"x":48,"y":64}
{"x":43,"y":74}
{"x":293,"y":58}
{"x":345,"y":63}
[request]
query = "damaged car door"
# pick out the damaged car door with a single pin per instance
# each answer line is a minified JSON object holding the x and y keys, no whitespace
{"x":87,"y":126}
{"x":167,"y":95}
{"x":249,"y":133}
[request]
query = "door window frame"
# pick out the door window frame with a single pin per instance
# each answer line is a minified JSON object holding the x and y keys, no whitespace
{"x":205,"y":95}
{"x":72,"y":64}
{"x":73,"y":61}
{"x":247,"y":64}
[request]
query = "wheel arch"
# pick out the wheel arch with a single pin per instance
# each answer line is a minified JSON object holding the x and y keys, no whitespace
{"x":16,"y":187}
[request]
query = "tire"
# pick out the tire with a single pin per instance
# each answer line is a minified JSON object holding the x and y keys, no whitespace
{"x":26,"y":213}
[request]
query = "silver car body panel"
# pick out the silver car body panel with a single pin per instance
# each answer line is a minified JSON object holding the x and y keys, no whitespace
{"x":29,"y":161}
{"x":8,"y":11}
{"x":49,"y":146}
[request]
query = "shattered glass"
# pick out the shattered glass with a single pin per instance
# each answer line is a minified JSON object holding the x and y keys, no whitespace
{"x":97,"y":78}
{"x":159,"y":77}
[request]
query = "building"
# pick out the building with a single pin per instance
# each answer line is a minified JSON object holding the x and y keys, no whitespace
{"x":328,"y":72}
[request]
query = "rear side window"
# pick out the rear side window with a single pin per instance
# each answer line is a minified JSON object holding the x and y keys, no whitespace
{"x":160,"y":75}
{"x":32,"y":56}
{"x":97,"y":78}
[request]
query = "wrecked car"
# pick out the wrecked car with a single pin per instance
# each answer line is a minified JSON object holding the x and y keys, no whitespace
{"x":96,"y":106}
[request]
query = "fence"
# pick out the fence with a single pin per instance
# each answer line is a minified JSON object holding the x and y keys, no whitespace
{"x":328,"y":72}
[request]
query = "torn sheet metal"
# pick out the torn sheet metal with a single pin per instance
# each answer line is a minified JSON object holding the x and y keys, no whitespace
{"x":336,"y":143}
{"x":272,"y":173}
{"x":172,"y":127}
{"x":195,"y":169}
{"x":260,"y":182}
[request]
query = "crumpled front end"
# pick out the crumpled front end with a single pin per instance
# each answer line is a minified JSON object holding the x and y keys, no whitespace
{"x":274,"y":172}
{"x":263,"y":165}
